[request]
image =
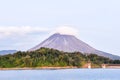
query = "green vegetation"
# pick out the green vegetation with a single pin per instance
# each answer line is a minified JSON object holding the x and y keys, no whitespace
{"x":51,"y":58}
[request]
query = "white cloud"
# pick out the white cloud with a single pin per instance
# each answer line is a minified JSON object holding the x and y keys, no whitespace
{"x":6,"y":31}
{"x":18,"y":31}
{"x":69,"y":30}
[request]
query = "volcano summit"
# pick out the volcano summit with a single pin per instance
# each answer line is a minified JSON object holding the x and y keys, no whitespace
{"x":69,"y":43}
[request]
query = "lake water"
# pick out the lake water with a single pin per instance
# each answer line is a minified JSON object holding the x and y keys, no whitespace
{"x":63,"y":74}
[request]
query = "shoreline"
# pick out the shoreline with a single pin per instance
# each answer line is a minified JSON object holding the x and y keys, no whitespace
{"x":51,"y":68}
{"x":38,"y":68}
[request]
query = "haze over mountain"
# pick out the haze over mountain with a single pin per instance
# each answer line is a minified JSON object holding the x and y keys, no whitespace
{"x":69,"y":43}
{"x":3,"y":52}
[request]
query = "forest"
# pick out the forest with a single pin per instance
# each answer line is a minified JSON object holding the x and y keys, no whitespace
{"x":52,"y":58}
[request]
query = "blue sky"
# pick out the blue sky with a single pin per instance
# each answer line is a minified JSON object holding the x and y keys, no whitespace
{"x":25,"y":23}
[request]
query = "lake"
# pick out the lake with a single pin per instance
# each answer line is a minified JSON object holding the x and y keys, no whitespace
{"x":62,"y":74}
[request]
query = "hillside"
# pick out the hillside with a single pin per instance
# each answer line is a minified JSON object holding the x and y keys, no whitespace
{"x":52,"y":58}
{"x":4,"y":52}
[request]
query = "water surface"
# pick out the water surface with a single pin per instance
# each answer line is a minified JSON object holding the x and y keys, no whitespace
{"x":64,"y":74}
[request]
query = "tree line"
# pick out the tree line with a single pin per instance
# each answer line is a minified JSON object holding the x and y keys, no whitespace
{"x":52,"y":58}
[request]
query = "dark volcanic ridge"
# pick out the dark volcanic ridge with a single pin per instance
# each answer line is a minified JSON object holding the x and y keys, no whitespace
{"x":69,"y":43}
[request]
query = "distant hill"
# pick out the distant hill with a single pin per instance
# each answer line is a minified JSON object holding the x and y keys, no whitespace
{"x":3,"y":52}
{"x":69,"y":43}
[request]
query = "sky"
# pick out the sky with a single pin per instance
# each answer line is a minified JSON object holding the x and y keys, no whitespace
{"x":25,"y":23}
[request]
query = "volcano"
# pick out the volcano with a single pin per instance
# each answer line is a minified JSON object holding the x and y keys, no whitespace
{"x":69,"y":43}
